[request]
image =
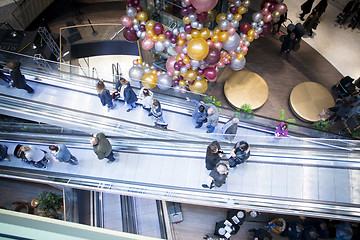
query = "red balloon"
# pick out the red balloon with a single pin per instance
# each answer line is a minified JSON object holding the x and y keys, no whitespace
{"x":201,"y":17}
{"x":130,"y":35}
{"x":213,"y":56}
{"x":158,"y":28}
{"x":168,"y":34}
{"x":204,"y":5}
{"x":200,"y":71}
{"x":272,"y":8}
{"x":210,"y":73}
{"x":267,"y":28}
{"x":245,"y":27}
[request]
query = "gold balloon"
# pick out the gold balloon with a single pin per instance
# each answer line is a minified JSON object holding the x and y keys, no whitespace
{"x":205,"y":33}
{"x":142,"y":16}
{"x":191,"y":75}
{"x":250,"y":39}
{"x":199,"y":87}
{"x":186,"y":20}
{"x":180,"y":42}
{"x":149,"y":24}
{"x":154,"y":38}
{"x":237,"y":16}
{"x":139,"y":61}
{"x":153,"y":71}
{"x":240,"y":56}
{"x":161,"y":38}
{"x":150,"y":33}
{"x":246,"y":3}
{"x":220,"y":17}
{"x":149,"y":80}
{"x":217,"y":30}
{"x":251,"y":33}
{"x":186,"y":60}
{"x":182,"y":83}
{"x":197,"y":49}
{"x":242,"y":9}
{"x":178,"y":58}
{"x":215,"y":37}
{"x":223,"y":36}
{"x":212,"y":14}
{"x":195,"y":33}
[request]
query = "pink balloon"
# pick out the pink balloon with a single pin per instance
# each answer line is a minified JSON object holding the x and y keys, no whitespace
{"x":170,"y":73}
{"x":267,"y":18}
{"x":188,"y":66}
{"x":210,"y":43}
{"x":210,"y":73}
{"x":265,"y":11}
{"x":126,"y":20}
{"x":241,"y":42}
{"x":231,"y":31}
{"x":226,"y":61}
{"x":281,"y":7}
{"x":204,"y":5}
{"x":134,"y":62}
{"x":178,"y":49}
{"x":244,"y":48}
{"x":211,"y":80}
{"x":220,"y":65}
{"x":158,"y":73}
{"x":232,"y":54}
{"x":147,"y":44}
{"x":218,"y":45}
{"x":267,"y":4}
{"x":182,"y":35}
{"x":187,"y":2}
{"x":223,"y":54}
{"x":256,"y":36}
{"x":170,"y":64}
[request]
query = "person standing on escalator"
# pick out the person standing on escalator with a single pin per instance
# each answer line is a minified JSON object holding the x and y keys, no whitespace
{"x":62,"y":154}
{"x":19,"y":80}
{"x":102,"y":147}
{"x":104,"y":95}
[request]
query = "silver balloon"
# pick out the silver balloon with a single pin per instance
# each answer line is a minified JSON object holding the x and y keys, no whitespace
{"x":254,"y":24}
{"x":246,"y":43}
{"x":131,"y":11}
{"x":183,"y":69}
{"x":136,"y":73}
{"x":211,"y":32}
{"x":237,"y":3}
{"x":192,"y":17}
{"x":258,"y":30}
{"x":194,"y":63}
{"x":238,"y":49}
{"x":147,"y":70}
{"x":246,"y":3}
{"x":136,"y":27}
{"x":200,"y":26}
{"x":203,"y":66}
{"x":175,"y":31}
{"x":198,"y":78}
{"x":234,"y":23}
{"x":194,"y":24}
{"x":159,"y":46}
{"x":224,"y":24}
{"x":177,"y":88}
{"x":152,"y":67}
{"x":232,"y":43}
{"x":229,"y":16}
{"x":257,"y":16}
{"x":176,"y":73}
{"x":194,"y":68}
{"x":138,"y":33}
{"x":243,"y":36}
{"x":167,"y":43}
{"x":236,"y":64}
{"x":143,"y":23}
{"x":164,"y":81}
{"x":184,"y":50}
{"x":143,"y":35}
{"x":261,"y":23}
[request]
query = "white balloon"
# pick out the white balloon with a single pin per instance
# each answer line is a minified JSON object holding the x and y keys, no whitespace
{"x":258,"y":30}
{"x":232,"y":43}
{"x":194,"y":63}
{"x":143,"y":35}
{"x":138,"y":33}
{"x":194,"y":24}
{"x":200,"y":26}
{"x":237,"y":3}
{"x":261,"y":23}
{"x":175,"y":31}
{"x":177,"y":88}
{"x":243,"y":36}
{"x":136,"y":27}
{"x":159,"y":46}
{"x":229,"y":16}
{"x":234,"y":23}
{"x":247,"y":43}
{"x":136,"y":73}
{"x":257,"y":16}
{"x":147,"y":70}
{"x":254,"y":24}
{"x":236,"y":64}
{"x":224,"y":24}
{"x":167,"y":43}
{"x":192,"y":17}
{"x":183,"y":69}
{"x":131,"y":11}
{"x":164,"y":81}
{"x":184,"y":50}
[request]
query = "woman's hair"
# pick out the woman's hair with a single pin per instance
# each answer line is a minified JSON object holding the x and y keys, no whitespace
{"x":222,"y":169}
{"x":284,"y":127}
{"x":201,"y":108}
{"x":156,"y":102}
{"x":243,"y":146}
{"x":53,"y":148}
{"x":123,"y":81}
{"x":11,"y":65}
{"x":146,"y":92}
{"x":24,"y":148}
{"x":212,"y":148}
{"x":100,"y":86}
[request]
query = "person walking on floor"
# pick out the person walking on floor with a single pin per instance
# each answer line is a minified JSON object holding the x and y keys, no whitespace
{"x":102,"y":147}
{"x":200,"y":112}
{"x":104,"y":95}
{"x":34,"y":156}
{"x":288,"y":45}
{"x":321,"y":7}
{"x":213,"y":155}
{"x":19,"y":80}
{"x":157,"y":113}
{"x":350,"y":8}
{"x":217,"y":176}
{"x":239,"y":154}
{"x":62,"y":154}
{"x":212,"y":117}
{"x":146,"y":97}
{"x":311,"y":22}
{"x":355,"y":20}
{"x":230,"y":129}
{"x":306,"y":8}
{"x":127,"y":93}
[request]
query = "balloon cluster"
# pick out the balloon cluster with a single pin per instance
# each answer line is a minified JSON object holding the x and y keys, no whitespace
{"x":201,"y":52}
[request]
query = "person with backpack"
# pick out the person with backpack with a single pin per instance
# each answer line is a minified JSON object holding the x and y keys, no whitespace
{"x":32,"y":155}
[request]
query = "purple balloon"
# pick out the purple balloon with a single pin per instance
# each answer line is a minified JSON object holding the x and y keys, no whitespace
{"x":158,"y":28}
{"x":181,"y":63}
{"x":272,"y":8}
{"x":201,"y":17}
{"x":187,"y":28}
{"x":138,"y":8}
{"x":184,"y":11}
{"x":168,"y":34}
{"x":210,"y":73}
{"x":266,"y":29}
{"x":200,"y":71}
{"x":213,"y":56}
{"x":191,"y":9}
{"x":233,"y":10}
{"x":130,"y":35}
{"x":173,"y":39}
{"x":136,"y":2}
{"x":142,"y":27}
{"x":177,"y":66}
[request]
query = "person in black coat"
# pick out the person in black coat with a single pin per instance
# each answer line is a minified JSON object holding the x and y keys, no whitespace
{"x":288,"y":44}
{"x":18,"y":79}
{"x":217,"y":176}
{"x":239,"y":154}
{"x":294,"y":231}
{"x":311,"y":22}
{"x":355,"y":20}
{"x":350,"y":8}
{"x":306,"y":8}
{"x":127,"y":93}
{"x":104,"y":95}
{"x":213,"y":155}
{"x":321,"y":7}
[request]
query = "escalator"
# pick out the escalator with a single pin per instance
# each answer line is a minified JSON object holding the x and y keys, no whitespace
{"x":305,"y":180}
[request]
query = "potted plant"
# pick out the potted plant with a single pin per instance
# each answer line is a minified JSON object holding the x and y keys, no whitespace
{"x":50,"y":203}
{"x":244,"y":112}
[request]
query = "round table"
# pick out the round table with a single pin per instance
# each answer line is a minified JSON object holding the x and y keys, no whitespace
{"x":246,"y":87}
{"x":308,"y":99}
